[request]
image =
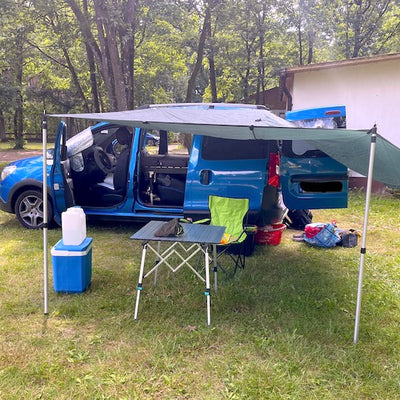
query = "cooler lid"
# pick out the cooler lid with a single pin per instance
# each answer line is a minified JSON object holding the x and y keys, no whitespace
{"x":318,"y":112}
{"x":85,"y":245}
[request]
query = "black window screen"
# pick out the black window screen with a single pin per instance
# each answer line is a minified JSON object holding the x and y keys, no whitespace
{"x":229,"y":149}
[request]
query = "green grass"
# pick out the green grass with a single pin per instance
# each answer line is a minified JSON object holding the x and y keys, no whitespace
{"x":281,"y":329}
{"x":27,"y":146}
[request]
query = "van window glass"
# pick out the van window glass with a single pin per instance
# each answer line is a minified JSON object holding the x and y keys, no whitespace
{"x":229,"y":149}
{"x":300,"y":148}
{"x":155,"y":142}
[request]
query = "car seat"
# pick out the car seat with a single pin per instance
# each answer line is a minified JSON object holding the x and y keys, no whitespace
{"x":115,"y":193}
{"x":170,"y":189}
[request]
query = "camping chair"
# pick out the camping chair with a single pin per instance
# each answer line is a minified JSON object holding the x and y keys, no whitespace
{"x":229,"y":212}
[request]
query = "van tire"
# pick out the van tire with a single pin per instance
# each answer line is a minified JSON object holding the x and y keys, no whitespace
{"x":29,"y":209}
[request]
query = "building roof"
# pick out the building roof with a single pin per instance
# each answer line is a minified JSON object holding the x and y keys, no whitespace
{"x":342,"y":63}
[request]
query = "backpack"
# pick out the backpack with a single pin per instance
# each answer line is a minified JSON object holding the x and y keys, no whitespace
{"x":298,"y":219}
{"x":328,"y":236}
{"x":349,"y":238}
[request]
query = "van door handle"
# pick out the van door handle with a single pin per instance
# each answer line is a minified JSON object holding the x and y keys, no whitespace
{"x":205,"y":177}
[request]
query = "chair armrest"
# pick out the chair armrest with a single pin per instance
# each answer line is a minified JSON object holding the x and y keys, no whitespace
{"x":190,"y":221}
{"x":250,"y":228}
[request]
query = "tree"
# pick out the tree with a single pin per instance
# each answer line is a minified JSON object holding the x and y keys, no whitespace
{"x":14,"y":40}
{"x":3,"y":137}
{"x":204,"y":34}
{"x":55,"y":40}
{"x":20,"y":40}
{"x":249,"y":46}
{"x":5,"y":84}
{"x":234,"y":49}
{"x":103,"y":55}
{"x":360,"y":25}
{"x":113,"y":48}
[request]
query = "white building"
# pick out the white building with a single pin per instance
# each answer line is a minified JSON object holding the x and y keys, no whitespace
{"x":369,"y":87}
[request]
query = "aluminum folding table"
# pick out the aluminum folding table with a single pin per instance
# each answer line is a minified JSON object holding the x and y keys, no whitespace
{"x":195,"y":238}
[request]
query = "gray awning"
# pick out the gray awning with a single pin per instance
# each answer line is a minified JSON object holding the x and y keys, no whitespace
{"x":350,"y":147}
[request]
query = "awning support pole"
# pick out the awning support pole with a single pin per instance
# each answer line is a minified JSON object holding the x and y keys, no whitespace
{"x":45,"y":222}
{"x":364,"y":234}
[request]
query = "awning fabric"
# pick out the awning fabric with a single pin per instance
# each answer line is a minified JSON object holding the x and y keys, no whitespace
{"x":350,"y":147}
{"x":362,"y":151}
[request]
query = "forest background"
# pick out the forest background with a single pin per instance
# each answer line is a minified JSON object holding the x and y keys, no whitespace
{"x":105,"y":55}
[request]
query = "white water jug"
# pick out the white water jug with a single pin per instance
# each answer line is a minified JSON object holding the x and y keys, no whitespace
{"x":73,"y":224}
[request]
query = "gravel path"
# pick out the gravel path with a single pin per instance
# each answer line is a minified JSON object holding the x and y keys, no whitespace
{"x":12,"y":155}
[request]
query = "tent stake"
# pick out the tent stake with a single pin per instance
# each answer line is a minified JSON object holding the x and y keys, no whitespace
{"x":45,"y":250}
{"x":364,"y":234}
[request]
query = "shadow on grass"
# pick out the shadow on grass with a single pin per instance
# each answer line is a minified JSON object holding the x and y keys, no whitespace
{"x":294,"y":289}
{"x":290,"y":289}
{"x":283,"y":289}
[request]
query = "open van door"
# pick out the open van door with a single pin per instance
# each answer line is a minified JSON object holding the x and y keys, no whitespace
{"x":310,"y":179}
{"x":60,"y":181}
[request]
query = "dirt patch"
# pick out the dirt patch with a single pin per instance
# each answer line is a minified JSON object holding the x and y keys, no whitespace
{"x":12,"y":155}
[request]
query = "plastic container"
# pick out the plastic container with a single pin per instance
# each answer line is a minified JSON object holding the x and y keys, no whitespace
{"x":270,"y":234}
{"x":73,"y":223}
{"x":72,"y":266}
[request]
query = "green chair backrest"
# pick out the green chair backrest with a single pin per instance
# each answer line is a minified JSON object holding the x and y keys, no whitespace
{"x":229,"y":212}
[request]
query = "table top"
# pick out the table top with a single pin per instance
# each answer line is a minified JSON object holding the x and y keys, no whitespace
{"x":192,"y":233}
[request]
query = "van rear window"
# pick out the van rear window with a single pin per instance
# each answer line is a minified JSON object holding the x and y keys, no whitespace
{"x":230,"y":149}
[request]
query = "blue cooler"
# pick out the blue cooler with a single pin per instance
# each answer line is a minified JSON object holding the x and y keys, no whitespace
{"x":72,"y":266}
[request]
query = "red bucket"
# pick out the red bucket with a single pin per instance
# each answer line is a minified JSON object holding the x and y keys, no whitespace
{"x":270,"y":234}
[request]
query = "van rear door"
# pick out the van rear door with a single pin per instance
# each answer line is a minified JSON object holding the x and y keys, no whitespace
{"x":310,"y":179}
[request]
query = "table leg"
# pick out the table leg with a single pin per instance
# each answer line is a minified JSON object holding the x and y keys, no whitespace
{"x":207,"y":292}
{"x":139,"y":287}
{"x":215,"y":267}
{"x":157,"y":261}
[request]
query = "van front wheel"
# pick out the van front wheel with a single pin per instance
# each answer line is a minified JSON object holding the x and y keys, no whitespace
{"x":29,"y":209}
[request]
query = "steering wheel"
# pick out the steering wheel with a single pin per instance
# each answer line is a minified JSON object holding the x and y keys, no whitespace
{"x":103,"y":160}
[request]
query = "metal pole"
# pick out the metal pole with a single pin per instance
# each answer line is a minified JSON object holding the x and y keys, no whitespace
{"x":364,"y":234}
{"x":140,"y":282}
{"x":207,"y":292}
{"x":45,"y":222}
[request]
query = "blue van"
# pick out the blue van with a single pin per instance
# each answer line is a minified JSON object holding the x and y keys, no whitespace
{"x":115,"y":172}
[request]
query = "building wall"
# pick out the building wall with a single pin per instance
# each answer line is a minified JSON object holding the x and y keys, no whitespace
{"x":370,"y":92}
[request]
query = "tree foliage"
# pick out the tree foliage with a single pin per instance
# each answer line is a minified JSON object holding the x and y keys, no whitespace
{"x":103,"y":55}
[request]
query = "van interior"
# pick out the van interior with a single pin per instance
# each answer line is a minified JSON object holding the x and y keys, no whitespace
{"x":100,"y":163}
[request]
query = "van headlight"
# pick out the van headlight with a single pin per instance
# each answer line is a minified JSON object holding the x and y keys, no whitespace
{"x":8,"y":170}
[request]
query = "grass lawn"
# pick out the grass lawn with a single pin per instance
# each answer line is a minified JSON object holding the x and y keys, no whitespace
{"x":27,"y":146}
{"x":281,"y":329}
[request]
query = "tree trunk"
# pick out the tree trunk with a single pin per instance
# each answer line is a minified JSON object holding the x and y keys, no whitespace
{"x":3,"y":137}
{"x":75,"y":79}
{"x":127,"y":40}
{"x":18,"y":114}
{"x":109,"y":51}
{"x":93,"y":80}
{"x":261,"y":72}
{"x":105,"y":63}
{"x":357,"y":30}
{"x":246,"y":77}
{"x":211,"y":63}
{"x":200,"y":53}
{"x":213,"y":79}
{"x":310,"y":47}
{"x":92,"y":69}
{"x":300,"y":39}
{"x":18,"y":121}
